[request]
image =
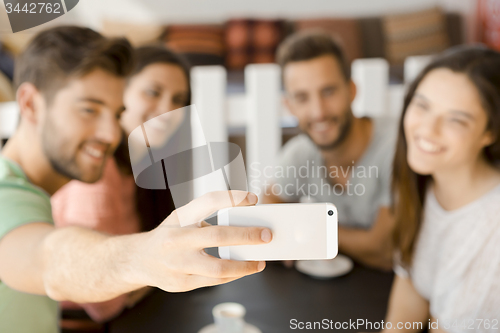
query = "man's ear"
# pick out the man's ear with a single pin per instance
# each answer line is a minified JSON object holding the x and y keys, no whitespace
{"x":29,"y":100}
{"x":353,"y":89}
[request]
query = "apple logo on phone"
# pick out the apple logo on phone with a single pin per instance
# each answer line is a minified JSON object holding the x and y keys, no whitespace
{"x":187,"y":169}
{"x":23,"y":14}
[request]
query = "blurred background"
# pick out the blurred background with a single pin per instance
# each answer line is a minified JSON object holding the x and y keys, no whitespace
{"x":387,"y":41}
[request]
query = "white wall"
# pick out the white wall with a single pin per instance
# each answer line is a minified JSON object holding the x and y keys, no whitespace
{"x":91,"y":12}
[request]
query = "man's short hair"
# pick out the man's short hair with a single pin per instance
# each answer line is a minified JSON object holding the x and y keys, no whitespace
{"x":56,"y":55}
{"x":307,"y":45}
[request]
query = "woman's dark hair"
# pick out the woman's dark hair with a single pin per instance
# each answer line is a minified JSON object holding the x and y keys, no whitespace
{"x":153,"y":206}
{"x":482,"y":67}
{"x":159,"y":54}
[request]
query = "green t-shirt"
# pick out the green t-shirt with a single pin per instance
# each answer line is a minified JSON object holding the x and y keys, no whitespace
{"x":20,"y":203}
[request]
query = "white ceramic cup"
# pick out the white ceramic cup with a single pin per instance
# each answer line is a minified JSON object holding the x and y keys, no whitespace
{"x":229,"y":317}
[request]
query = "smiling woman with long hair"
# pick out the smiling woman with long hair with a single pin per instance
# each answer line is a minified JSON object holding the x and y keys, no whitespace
{"x":446,"y":183}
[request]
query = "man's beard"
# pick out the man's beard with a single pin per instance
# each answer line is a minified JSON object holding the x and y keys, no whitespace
{"x":62,"y":161}
{"x":344,"y":130}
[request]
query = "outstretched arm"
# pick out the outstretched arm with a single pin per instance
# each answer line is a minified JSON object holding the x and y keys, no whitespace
{"x":82,"y":265}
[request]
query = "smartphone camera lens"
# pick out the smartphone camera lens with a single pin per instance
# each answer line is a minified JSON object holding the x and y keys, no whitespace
{"x":330,"y":212}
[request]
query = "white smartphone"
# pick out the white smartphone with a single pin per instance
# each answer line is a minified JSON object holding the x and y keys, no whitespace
{"x":300,"y":231}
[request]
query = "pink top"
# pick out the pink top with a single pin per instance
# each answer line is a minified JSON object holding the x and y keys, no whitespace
{"x":107,"y":206}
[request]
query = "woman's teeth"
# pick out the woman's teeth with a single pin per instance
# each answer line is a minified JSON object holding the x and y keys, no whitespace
{"x":428,"y":146}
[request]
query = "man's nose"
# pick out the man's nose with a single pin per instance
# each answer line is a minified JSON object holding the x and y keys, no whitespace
{"x":109,"y":130}
{"x":318,"y":108}
{"x":431,"y":125}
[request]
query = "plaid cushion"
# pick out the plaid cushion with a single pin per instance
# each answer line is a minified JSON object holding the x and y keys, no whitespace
{"x":251,"y":41}
{"x":418,"y":33}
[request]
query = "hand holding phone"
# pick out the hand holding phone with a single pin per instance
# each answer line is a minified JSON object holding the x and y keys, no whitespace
{"x":300,"y":231}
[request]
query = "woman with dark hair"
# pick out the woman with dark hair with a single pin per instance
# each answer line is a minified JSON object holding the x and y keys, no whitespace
{"x":114,"y":204}
{"x":446,"y":182}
